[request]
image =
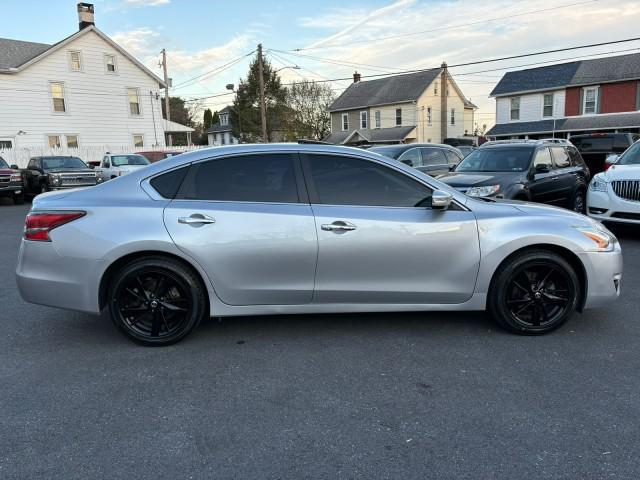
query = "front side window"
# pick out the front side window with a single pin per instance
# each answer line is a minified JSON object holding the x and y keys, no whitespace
{"x":110,"y":63}
{"x":134,"y":101}
{"x":542,"y":161}
{"x":363,"y":119}
{"x":452,"y":157}
{"x":590,"y":100}
{"x":249,"y":178}
{"x":75,"y":61}
{"x":72,"y":141}
{"x":398,"y":117}
{"x":510,"y":159}
{"x":411,"y":157}
{"x":57,"y":95}
{"x":515,"y":108}
{"x":340,"y":180}
{"x":54,"y":141}
{"x":378,"y":120}
{"x":561,"y":157}
{"x":547,"y":107}
{"x":138,"y":140}
{"x":345,"y":122}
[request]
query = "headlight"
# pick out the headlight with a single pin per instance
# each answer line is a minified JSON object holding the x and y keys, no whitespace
{"x":603,"y":240}
{"x":483,"y":191}
{"x":16,"y":177}
{"x":598,"y":184}
{"x":98,"y":179}
{"x":54,"y":179}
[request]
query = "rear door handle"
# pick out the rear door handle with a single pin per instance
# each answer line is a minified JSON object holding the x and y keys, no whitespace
{"x":196,"y":219}
{"x":338,"y":226}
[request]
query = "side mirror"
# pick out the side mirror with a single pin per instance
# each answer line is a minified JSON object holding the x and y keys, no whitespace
{"x":452,"y":167}
{"x":407,"y":162}
{"x":441,"y":200}
{"x":542,"y":169}
{"x":611,"y":159}
{"x":91,"y":166}
{"x":15,"y":167}
{"x":107,"y":165}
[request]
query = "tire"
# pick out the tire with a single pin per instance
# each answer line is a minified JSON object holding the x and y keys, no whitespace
{"x":579,"y":200}
{"x":44,"y":188}
{"x":156,"y":301}
{"x":18,"y":199}
{"x":534,"y":292}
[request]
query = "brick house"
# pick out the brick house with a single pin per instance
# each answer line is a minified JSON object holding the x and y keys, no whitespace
{"x":561,"y":100}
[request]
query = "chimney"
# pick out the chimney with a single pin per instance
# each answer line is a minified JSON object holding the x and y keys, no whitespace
{"x":356,"y":77}
{"x":85,"y":15}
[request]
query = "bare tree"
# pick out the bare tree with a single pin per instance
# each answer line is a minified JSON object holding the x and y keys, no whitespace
{"x":306,"y":114}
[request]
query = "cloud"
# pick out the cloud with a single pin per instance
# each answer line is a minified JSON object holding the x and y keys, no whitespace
{"x":147,"y":3}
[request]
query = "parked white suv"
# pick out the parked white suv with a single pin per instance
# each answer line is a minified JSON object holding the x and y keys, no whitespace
{"x":117,"y":164}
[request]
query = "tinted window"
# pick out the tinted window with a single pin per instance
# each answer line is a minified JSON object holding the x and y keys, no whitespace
{"x":250,"y":178}
{"x":350,"y":181}
{"x":33,"y":163}
{"x":3,"y":164}
{"x":542,"y":161}
{"x":621,"y":142}
{"x":631,"y":156}
{"x":452,"y":157}
{"x":433,"y":156}
{"x":503,"y":159}
{"x":412,"y":155}
{"x":593,"y":144}
{"x":120,"y":160}
{"x":391,"y":152}
{"x":575,"y":157}
{"x":560,"y":157}
{"x":168,"y":184}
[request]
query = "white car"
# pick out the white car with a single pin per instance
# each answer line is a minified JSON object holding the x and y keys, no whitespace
{"x":614,"y":195}
{"x":115,"y":165}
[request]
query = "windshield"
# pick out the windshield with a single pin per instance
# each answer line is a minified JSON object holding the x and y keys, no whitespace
{"x":391,"y":152}
{"x":631,"y":156}
{"x":3,"y":164}
{"x":54,"y":163}
{"x":120,"y":160}
{"x":511,"y":159}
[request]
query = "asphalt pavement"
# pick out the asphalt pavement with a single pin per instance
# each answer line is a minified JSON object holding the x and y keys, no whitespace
{"x":397,"y":396}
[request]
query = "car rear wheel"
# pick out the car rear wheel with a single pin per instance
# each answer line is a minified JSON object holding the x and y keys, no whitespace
{"x":578,"y":202}
{"x":156,"y":301}
{"x":534,"y":293}
{"x":18,"y":199}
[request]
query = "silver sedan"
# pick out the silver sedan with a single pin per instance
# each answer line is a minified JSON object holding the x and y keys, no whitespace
{"x":277,"y":229}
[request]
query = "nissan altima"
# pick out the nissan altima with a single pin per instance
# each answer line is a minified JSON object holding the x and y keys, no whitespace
{"x":288,"y":228}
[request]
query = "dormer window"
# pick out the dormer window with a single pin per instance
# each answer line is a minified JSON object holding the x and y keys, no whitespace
{"x":224,"y":119}
{"x":75,"y":61}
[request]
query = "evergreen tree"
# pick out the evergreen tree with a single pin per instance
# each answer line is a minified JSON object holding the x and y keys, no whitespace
{"x":216,"y":118}
{"x":208,"y":119}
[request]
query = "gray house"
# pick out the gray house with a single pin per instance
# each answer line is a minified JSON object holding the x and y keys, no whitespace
{"x":221,"y":133}
{"x":401,"y":109}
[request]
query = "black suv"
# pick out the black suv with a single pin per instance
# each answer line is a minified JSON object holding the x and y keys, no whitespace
{"x":538,"y":171}
{"x":431,"y":158}
{"x":596,"y":147}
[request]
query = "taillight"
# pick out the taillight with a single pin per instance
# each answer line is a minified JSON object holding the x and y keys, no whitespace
{"x":38,"y":225}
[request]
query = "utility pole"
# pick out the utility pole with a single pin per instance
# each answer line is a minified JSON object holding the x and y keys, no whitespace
{"x":444,"y":80}
{"x":263,"y":106}
{"x":166,"y":91}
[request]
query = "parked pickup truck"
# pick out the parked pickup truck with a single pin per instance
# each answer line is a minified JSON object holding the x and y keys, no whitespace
{"x":115,"y":165}
{"x":11,"y":182}
{"x":595,"y":148}
{"x":57,"y":173}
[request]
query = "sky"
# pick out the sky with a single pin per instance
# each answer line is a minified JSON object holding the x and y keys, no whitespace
{"x":336,"y":38}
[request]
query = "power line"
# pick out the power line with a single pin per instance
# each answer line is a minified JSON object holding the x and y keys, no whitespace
{"x":449,"y":27}
{"x":215,"y":70}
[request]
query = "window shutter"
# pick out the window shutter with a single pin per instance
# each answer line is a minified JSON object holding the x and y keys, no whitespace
{"x":599,"y":104}
{"x":581,"y":106}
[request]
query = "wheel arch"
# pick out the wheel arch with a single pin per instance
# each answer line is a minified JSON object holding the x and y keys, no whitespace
{"x":117,"y":264}
{"x":565,"y":253}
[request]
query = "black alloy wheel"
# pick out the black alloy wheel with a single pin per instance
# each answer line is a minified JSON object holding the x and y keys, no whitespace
{"x":534,"y":293}
{"x":156,"y":301}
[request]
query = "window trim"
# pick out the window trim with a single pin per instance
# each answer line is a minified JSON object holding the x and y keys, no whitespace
{"x":378,"y":119}
{"x":399,"y":117}
{"x":80,"y":60}
{"x":66,"y":139}
{"x":133,"y":139}
{"x":115,"y":63}
{"x":595,"y":100}
{"x":64,"y":98}
{"x":511,"y":109}
{"x":133,"y":115}
{"x":342,"y":122}
{"x":429,"y":116}
{"x":364,"y":115}
{"x":553,"y":100}
{"x":47,"y":136}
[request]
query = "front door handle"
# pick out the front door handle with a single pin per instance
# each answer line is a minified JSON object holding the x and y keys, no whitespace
{"x":555,"y":178}
{"x":338,"y":226}
{"x":196,"y":219}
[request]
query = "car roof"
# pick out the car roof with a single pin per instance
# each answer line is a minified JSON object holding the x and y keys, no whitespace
{"x":406,"y":146}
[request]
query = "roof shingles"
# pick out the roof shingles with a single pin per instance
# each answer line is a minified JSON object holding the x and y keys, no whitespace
{"x":14,"y":53}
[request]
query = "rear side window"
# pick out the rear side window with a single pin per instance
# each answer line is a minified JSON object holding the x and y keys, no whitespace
{"x":169,"y":183}
{"x":621,"y":142}
{"x":245,"y":178}
{"x":339,"y":180}
{"x":560,"y":157}
{"x":575,"y":157}
{"x":433,"y":156}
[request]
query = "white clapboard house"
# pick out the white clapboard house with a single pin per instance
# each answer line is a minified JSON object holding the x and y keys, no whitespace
{"x":84,"y":92}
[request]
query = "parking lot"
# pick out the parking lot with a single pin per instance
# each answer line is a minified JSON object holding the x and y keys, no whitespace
{"x":342,"y":396}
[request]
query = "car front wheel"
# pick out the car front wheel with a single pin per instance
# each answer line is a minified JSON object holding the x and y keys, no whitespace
{"x":534,"y":292}
{"x":156,"y":301}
